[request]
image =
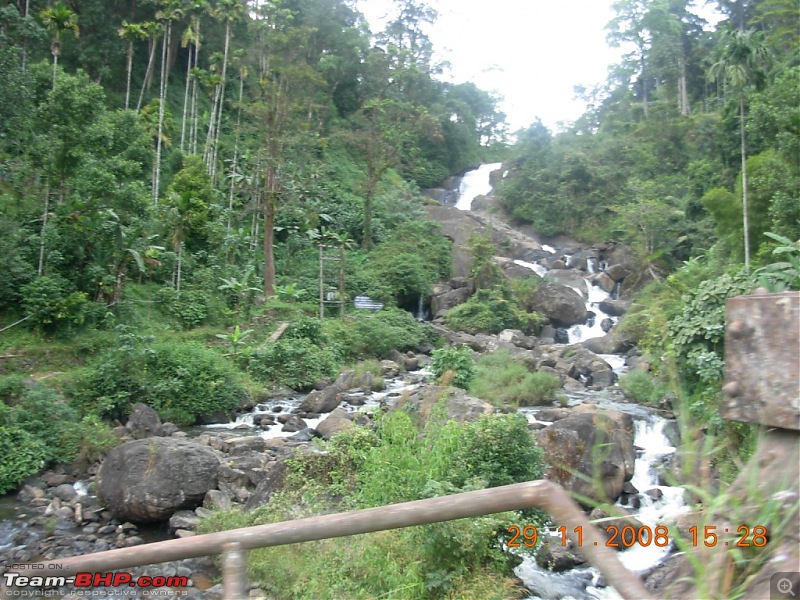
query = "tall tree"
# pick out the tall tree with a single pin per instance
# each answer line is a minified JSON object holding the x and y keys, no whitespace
{"x":131,"y":32}
{"x":742,"y":62}
{"x":58,"y":19}
{"x":629,"y":26}
{"x":153,"y":30}
{"x":171,"y":11}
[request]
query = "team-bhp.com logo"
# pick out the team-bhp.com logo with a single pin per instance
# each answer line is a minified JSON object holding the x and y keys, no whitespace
{"x":89,"y":584}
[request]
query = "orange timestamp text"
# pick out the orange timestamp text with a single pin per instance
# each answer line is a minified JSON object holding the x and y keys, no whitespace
{"x":643,"y":535}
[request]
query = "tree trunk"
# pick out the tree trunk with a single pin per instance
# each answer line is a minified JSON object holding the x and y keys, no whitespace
{"x":46,"y":211}
{"x":269,"y":238}
{"x":686,"y":109}
{"x":235,"y":151}
{"x":55,"y":68}
{"x":186,"y":98}
{"x":221,"y":103}
{"x":180,"y":262}
{"x":128,"y":84}
{"x":745,"y":218}
{"x":644,"y":87}
{"x":148,"y":74}
{"x":162,"y":101}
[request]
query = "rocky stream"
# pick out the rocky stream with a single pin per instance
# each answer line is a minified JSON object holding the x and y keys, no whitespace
{"x":242,"y":462}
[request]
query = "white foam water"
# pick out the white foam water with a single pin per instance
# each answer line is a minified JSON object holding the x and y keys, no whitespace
{"x":475,"y":183}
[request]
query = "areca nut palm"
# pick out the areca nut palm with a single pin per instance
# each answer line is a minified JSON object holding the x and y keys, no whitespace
{"x":742,"y":62}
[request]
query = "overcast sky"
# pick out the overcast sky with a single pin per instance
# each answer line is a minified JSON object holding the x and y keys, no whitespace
{"x":531,"y":52}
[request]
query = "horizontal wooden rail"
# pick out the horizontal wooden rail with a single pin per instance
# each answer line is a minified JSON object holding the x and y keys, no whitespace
{"x":534,"y":494}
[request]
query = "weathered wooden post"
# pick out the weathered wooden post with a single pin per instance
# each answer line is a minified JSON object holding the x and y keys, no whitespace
{"x":762,"y":385}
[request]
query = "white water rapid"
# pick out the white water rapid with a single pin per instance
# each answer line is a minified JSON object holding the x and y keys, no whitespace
{"x":657,"y":504}
{"x":475,"y":183}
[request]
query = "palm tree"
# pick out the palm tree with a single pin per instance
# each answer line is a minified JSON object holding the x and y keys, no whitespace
{"x":172,"y":11}
{"x":742,"y":62}
{"x":186,"y":39}
{"x":228,"y":11}
{"x":58,"y":18}
{"x":153,"y":30}
{"x":131,"y":32}
{"x":195,"y":8}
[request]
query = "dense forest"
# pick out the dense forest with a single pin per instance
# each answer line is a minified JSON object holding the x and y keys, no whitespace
{"x":170,"y":168}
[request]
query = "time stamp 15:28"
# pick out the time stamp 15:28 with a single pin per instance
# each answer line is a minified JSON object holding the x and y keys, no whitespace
{"x":644,"y":535}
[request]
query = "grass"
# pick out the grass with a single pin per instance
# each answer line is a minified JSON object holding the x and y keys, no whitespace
{"x":503,"y":381}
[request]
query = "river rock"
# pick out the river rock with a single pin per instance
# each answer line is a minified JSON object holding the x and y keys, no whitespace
{"x":294,"y":424}
{"x":592,"y":443}
{"x":143,"y":422}
{"x":274,"y":476}
{"x":559,"y":303}
{"x":459,"y":406}
{"x":324,"y":401}
{"x":338,"y":420}
{"x":146,"y":481}
{"x":443,"y":302}
{"x":615,"y":307}
{"x":557,"y":557}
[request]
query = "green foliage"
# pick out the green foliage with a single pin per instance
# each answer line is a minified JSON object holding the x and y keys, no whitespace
{"x":640,"y":386}
{"x":23,"y":455}
{"x":293,"y":362}
{"x":784,"y":274}
{"x":182,"y":381}
{"x":498,"y":450}
{"x":699,"y":328}
{"x":189,"y":307}
{"x":501,"y":380}
{"x":305,"y":328}
{"x":457,"y":363}
{"x":374,"y":334}
{"x":485,"y":272}
{"x":52,"y":302}
{"x":409,"y":262}
{"x":492,"y":311}
{"x":86,"y":441}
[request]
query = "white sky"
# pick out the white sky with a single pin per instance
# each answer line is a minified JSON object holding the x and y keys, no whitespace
{"x":531,"y":52}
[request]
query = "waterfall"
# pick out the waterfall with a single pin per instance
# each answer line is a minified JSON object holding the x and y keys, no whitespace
{"x":475,"y":183}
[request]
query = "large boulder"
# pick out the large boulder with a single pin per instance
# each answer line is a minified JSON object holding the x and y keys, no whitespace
{"x":559,"y":303}
{"x":322,"y":402}
{"x":443,"y":302}
{"x":338,"y":420}
{"x":590,"y":453}
{"x":458,"y":406}
{"x":146,"y":481}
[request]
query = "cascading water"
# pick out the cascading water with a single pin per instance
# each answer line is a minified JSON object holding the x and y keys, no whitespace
{"x":475,"y":183}
{"x":657,"y":504}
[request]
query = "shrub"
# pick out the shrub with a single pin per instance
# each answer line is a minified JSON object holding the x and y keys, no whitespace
{"x":53,"y":303}
{"x":456,"y":360}
{"x":642,"y":387}
{"x":86,"y":441}
{"x":368,"y":334}
{"x":22,"y":454}
{"x":182,"y":381}
{"x":189,"y":307}
{"x":305,"y":328}
{"x":501,"y":380}
{"x":498,"y":450}
{"x":295,"y":363}
{"x":489,"y":311}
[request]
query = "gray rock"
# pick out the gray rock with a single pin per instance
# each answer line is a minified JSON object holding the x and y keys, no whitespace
{"x":591,"y":443}
{"x":615,"y":307}
{"x":294,"y":424}
{"x":559,"y":303}
{"x":143,"y":422}
{"x":148,"y":480}
{"x":274,"y":476}
{"x":324,"y":401}
{"x":339,"y":420}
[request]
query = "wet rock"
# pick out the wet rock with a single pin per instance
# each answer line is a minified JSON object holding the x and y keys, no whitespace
{"x":587,"y":444}
{"x":559,"y":303}
{"x":441,"y":303}
{"x":306,"y":435}
{"x":614,"y":308}
{"x":324,"y":401}
{"x":606,"y":325}
{"x":148,"y":480}
{"x":65,"y":492}
{"x":604,"y":282}
{"x":556,"y":557}
{"x":294,"y":424}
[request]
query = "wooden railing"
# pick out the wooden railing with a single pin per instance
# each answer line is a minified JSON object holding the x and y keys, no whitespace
{"x":234,"y":543}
